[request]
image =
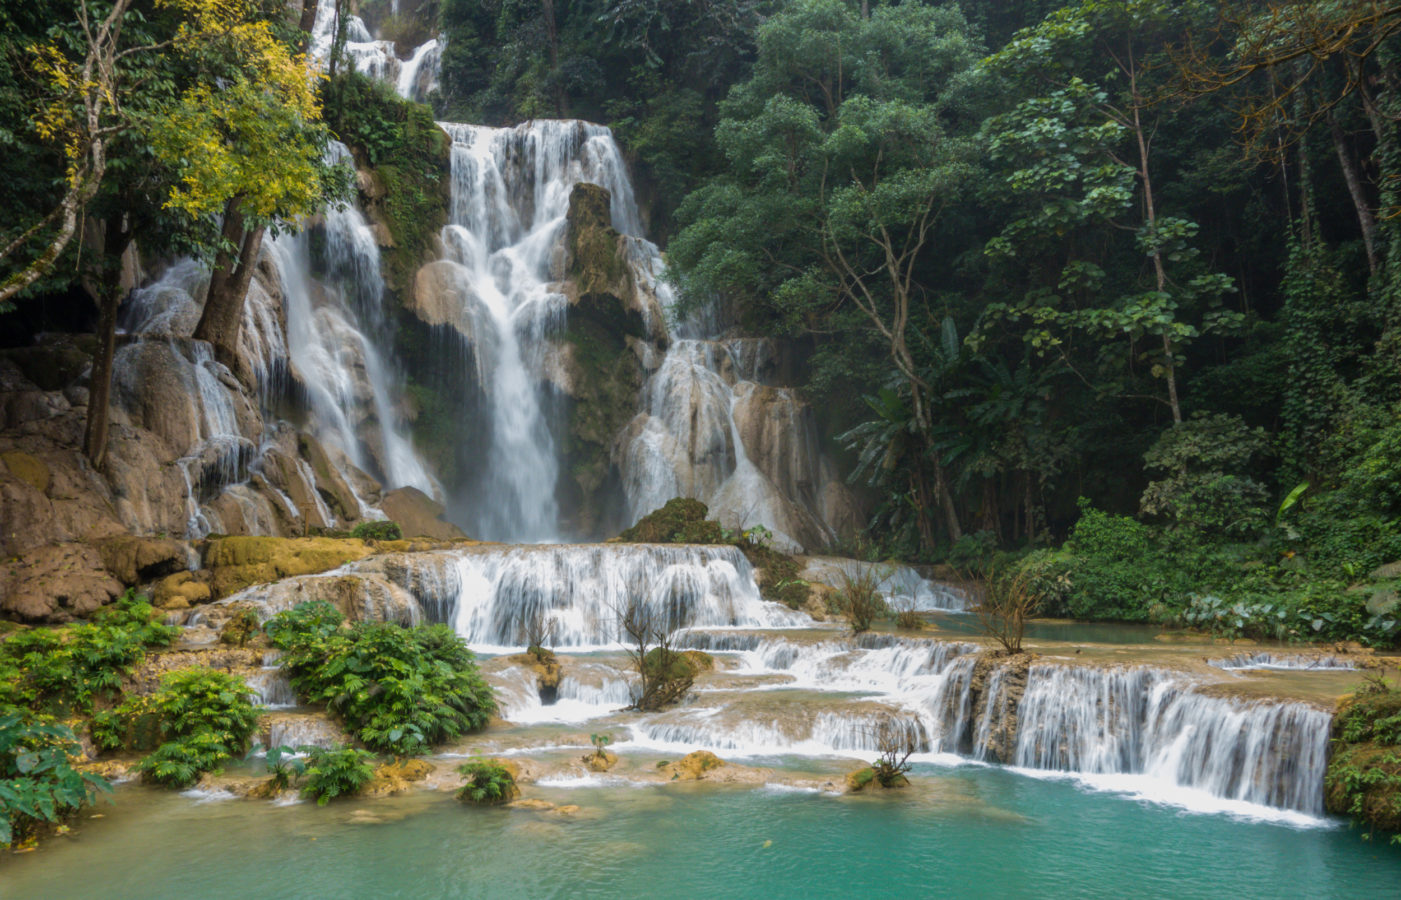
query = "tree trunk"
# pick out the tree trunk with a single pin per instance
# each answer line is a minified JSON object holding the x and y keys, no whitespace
{"x":228,"y":286}
{"x":307,"y":23}
{"x":1353,"y":176}
{"x":941,"y":487}
{"x":110,"y":295}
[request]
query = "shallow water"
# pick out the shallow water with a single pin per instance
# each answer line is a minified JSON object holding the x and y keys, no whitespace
{"x":965,"y":832}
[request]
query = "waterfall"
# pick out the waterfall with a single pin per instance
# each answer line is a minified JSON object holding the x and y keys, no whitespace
{"x":347,"y":381}
{"x":1147,"y":721}
{"x":1244,"y":662}
{"x":575,"y":593}
{"x":510,"y":194}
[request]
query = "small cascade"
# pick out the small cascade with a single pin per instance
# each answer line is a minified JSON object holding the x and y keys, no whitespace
{"x":297,"y":730}
{"x":1245,"y":662}
{"x":1147,"y":721}
{"x":271,"y":688}
{"x":368,"y":56}
{"x":575,"y":593}
{"x":901,"y":586}
{"x":418,"y":76}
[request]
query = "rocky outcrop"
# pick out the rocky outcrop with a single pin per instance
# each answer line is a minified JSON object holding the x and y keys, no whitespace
{"x":235,"y":563}
{"x":136,"y":560}
{"x":419,"y":515}
{"x":56,"y":583}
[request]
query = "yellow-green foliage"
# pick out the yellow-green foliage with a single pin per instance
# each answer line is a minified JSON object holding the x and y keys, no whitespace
{"x":1364,"y":768}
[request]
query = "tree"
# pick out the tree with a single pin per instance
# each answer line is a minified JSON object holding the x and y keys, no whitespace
{"x":664,"y":674}
{"x":1067,"y":147}
{"x":840,"y":169}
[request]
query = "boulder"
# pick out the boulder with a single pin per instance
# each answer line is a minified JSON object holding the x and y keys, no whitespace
{"x":180,"y":591}
{"x":1389,"y":570}
{"x":418,"y":514}
{"x":397,"y":777}
{"x":329,"y":483}
{"x":136,"y":560}
{"x":603,"y":763}
{"x":56,"y":583}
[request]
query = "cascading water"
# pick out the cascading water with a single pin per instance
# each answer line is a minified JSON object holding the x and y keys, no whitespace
{"x":510,"y":195}
{"x":344,"y":374}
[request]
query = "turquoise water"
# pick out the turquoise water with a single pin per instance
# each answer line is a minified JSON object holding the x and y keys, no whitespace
{"x":966,"y":832}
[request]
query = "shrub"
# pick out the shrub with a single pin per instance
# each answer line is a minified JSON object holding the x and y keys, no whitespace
{"x":37,"y":780}
{"x":1003,"y":601}
{"x":286,"y":764}
{"x":385,"y":530}
{"x":859,"y":596}
{"x":201,"y":718}
{"x":63,"y":670}
{"x":488,"y":782}
{"x":400,"y":690}
{"x":1205,"y":488}
{"x":337,"y":772}
{"x":1364,"y":766}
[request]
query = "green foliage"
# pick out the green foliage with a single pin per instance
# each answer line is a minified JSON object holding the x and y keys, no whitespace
{"x":386,"y":530}
{"x":409,"y":155}
{"x":1203,"y":460}
{"x":286,"y":764}
{"x":37,"y":780}
{"x":1364,"y":767}
{"x":679,"y":521}
{"x":201,"y":717}
{"x":63,"y":670}
{"x":487,"y":782}
{"x":400,"y":690}
{"x":859,"y":596}
{"x":600,"y":743}
{"x":337,"y":772}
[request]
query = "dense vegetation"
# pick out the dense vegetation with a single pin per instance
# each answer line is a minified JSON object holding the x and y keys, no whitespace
{"x":1364,"y":767}
{"x":399,"y":690}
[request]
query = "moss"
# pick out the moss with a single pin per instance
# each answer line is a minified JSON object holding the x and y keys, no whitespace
{"x":1364,"y":769}
{"x":609,"y":381}
{"x":411,"y":161}
{"x":595,"y":263}
{"x":683,"y":521}
{"x":28,"y":468}
{"x":239,"y":562}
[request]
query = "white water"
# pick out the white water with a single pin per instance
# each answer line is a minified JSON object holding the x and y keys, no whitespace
{"x":510,"y":195}
{"x":348,"y":385}
{"x":1245,"y":662}
{"x":574,"y":593}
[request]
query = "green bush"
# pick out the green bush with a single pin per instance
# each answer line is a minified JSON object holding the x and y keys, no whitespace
{"x":337,"y":772}
{"x":385,"y":530}
{"x":286,"y":764}
{"x":1204,"y":487}
{"x":400,"y":690}
{"x":679,"y":521}
{"x":63,"y":670}
{"x":37,"y":780}
{"x":1364,"y":766}
{"x":488,"y":782}
{"x":199,"y":717}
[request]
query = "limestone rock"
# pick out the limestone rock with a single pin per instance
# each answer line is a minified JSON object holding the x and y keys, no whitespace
{"x":1389,"y":570}
{"x":238,"y":562}
{"x":397,"y":777}
{"x":691,"y":767}
{"x":418,"y":514}
{"x":27,"y":468}
{"x":56,"y":583}
{"x":329,"y":484}
{"x":135,"y":560}
{"x":180,"y":591}
{"x":597,"y":763}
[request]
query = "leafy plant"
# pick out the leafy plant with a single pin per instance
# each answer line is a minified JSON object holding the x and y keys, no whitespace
{"x":38,"y":782}
{"x":286,"y":764}
{"x":201,"y":717}
{"x":488,"y":782}
{"x":1003,"y":600}
{"x":337,"y":772}
{"x":400,"y":690}
{"x":385,"y":530}
{"x":600,"y":743}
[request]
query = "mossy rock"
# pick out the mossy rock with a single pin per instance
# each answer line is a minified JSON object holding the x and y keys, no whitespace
{"x":239,"y":562}
{"x":692,"y":767}
{"x":28,"y":468}
{"x":865,"y":780}
{"x":180,"y":591}
{"x":672,"y":665}
{"x":680,"y":521}
{"x":595,"y":261}
{"x":1363,"y":779}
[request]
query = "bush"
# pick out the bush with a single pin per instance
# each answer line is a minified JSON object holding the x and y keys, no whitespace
{"x":1205,"y":488}
{"x":63,"y":670}
{"x":37,"y":780}
{"x":1364,"y":766}
{"x":488,"y":782}
{"x":400,"y":690}
{"x":201,"y":718}
{"x":859,"y":596}
{"x":386,"y":530}
{"x":679,"y":521}
{"x":337,"y":772}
